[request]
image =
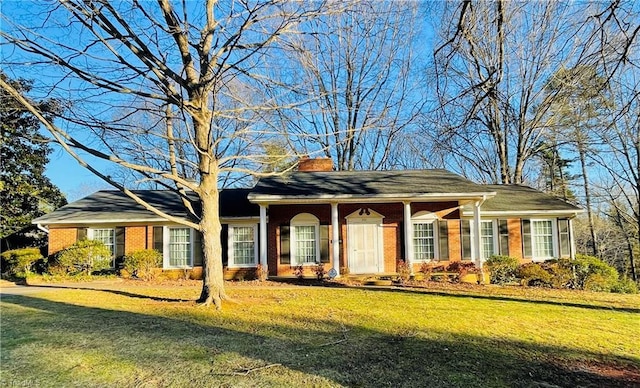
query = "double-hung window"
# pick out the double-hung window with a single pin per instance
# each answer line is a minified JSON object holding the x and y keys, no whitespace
{"x":423,"y":241}
{"x":107,"y":236}
{"x":180,"y":247}
{"x":542,"y":239}
{"x":425,"y":236}
{"x":305,"y":247}
{"x":488,"y":239}
{"x":242,"y":245}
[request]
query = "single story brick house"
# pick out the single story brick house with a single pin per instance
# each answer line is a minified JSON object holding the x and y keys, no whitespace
{"x":356,"y":222}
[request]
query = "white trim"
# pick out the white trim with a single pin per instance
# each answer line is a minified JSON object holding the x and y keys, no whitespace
{"x":90,"y":236}
{"x":263,"y":238}
{"x":335,"y":238}
{"x":554,"y":239}
{"x":374,"y":198}
{"x":408,"y":236}
{"x":303,"y":219}
{"x":166,"y":237}
{"x":572,"y":243}
{"x":436,"y":238}
{"x":524,"y":213}
{"x":373,"y":218}
{"x":476,"y":249}
{"x":495,"y":237}
{"x":231,"y":250}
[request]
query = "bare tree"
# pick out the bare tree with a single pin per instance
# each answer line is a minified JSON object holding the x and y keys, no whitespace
{"x":619,"y":159}
{"x":491,"y":70}
{"x":199,"y":68}
{"x":362,"y":88}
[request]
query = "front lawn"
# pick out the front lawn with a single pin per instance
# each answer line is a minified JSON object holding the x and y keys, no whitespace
{"x":153,"y":336}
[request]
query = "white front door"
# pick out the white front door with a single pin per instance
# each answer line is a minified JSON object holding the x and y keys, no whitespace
{"x":364,"y":241}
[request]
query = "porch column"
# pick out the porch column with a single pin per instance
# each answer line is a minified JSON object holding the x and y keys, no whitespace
{"x":263,"y":237}
{"x":408,"y":235}
{"x":335,"y":238}
{"x":476,"y":252}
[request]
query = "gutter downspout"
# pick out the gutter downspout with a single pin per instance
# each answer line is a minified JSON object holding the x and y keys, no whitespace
{"x":42,"y":228}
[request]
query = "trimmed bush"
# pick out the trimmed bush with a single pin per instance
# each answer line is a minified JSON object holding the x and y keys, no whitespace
{"x":19,"y":262}
{"x":625,"y":286}
{"x":502,"y":269}
{"x":561,"y":276}
{"x":85,"y":256}
{"x":142,"y":263}
{"x":534,"y":275}
{"x":584,"y":270}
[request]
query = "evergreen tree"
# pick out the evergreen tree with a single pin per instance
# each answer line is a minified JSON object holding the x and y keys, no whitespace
{"x":25,"y":191}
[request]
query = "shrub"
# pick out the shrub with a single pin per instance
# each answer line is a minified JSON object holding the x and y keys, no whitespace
{"x":502,"y":269}
{"x":84,"y":256}
{"x":599,"y":283}
{"x":584,"y":268}
{"x":299,"y":271}
{"x":142,"y":263}
{"x":19,"y":262}
{"x":625,"y":286}
{"x":319,"y":271}
{"x":560,"y":275}
{"x":426,"y":269}
{"x":404,"y":271}
{"x":534,"y":275}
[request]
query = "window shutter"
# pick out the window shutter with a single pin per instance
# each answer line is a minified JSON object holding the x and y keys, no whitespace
{"x":526,"y":239}
{"x":81,"y":234}
{"x":158,"y":242}
{"x":224,"y":241}
{"x":466,"y":239}
{"x":503,"y":232}
{"x":285,"y":256}
{"x":120,"y":241}
{"x":443,"y":240}
{"x":324,"y":243}
{"x":197,"y":248}
{"x":565,"y":242}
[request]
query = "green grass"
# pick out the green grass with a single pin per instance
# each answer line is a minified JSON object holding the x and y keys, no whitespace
{"x":145,"y":336}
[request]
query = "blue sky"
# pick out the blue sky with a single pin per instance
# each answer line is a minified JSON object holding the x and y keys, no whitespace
{"x":72,"y":179}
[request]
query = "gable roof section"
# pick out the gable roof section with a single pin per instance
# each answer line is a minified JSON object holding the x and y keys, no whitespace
{"x":369,"y":185}
{"x":110,"y":206}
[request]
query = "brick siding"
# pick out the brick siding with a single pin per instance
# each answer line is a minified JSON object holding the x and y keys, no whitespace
{"x":135,"y":238}
{"x":61,"y":238}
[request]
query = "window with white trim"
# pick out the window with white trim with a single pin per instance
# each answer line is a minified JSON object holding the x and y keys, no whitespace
{"x":107,"y":236}
{"x":423,"y":241}
{"x":242,"y":246}
{"x":180,"y":247}
{"x":305,"y":239}
{"x":488,"y":243}
{"x":542,"y":239}
{"x":424,"y":236}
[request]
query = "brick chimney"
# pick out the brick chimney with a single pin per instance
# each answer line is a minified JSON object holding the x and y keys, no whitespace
{"x":315,"y":165}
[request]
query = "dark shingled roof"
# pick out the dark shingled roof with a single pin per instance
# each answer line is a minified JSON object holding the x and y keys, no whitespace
{"x":515,"y":198}
{"x":109,"y":205}
{"x":366,"y":183}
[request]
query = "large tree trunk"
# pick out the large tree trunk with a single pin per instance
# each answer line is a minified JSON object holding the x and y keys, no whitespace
{"x":212,"y":272}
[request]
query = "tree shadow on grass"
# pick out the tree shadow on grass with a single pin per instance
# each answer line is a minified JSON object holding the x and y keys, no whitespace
{"x":113,"y":291}
{"x":211,"y":350}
